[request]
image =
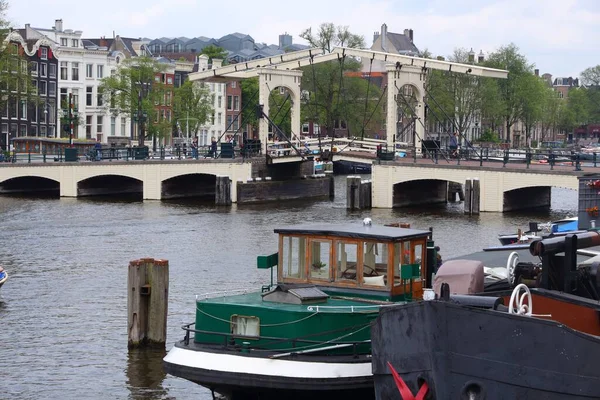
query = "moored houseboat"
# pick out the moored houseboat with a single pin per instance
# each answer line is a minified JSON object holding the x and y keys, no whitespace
{"x":538,"y":340}
{"x":306,"y":335}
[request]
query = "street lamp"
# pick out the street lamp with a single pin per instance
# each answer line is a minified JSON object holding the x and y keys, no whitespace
{"x":141,"y":116}
{"x":69,"y":115}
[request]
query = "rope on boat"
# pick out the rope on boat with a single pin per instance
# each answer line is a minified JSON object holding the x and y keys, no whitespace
{"x":261,"y":325}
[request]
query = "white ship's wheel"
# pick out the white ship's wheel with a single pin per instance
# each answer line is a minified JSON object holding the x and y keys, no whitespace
{"x":517,"y":304}
{"x":511,"y":264}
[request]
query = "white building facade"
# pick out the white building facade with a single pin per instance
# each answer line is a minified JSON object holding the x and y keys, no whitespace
{"x":81,"y":67}
{"x":218,"y":91}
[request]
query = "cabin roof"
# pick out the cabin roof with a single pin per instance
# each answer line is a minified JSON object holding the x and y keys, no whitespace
{"x":355,"y":231}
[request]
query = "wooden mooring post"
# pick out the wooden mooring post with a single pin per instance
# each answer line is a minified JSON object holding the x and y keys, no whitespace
{"x":223,"y":191}
{"x":147,"y":302}
{"x":472,"y":196}
{"x":358,"y":193}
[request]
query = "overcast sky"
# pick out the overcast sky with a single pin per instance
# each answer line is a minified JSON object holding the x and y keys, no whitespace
{"x":561,"y":37}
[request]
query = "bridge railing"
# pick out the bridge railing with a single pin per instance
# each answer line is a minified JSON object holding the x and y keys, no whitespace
{"x":225,"y":151}
{"x":499,"y":157}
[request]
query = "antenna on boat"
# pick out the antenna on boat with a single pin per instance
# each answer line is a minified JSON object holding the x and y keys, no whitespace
{"x":367,"y":221}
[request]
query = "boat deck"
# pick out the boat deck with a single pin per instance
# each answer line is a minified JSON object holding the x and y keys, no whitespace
{"x":333,"y":304}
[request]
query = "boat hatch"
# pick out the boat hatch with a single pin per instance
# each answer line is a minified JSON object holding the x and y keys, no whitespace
{"x":295,"y":295}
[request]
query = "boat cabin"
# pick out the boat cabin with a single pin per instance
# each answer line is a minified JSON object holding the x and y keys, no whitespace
{"x":390,"y":260}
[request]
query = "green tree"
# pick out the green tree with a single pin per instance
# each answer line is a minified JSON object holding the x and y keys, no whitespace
{"x":192,"y":106}
{"x":250,"y":103}
{"x":217,"y":52}
{"x":590,"y":79}
{"x":591,"y":76}
{"x":577,"y":109}
{"x":550,"y":113}
{"x":511,"y":95}
{"x":328,"y":36}
{"x":333,"y":93}
{"x":280,"y":107}
{"x":16,"y":85}
{"x":455,"y":96}
{"x":532,"y":89}
{"x":137,"y":88}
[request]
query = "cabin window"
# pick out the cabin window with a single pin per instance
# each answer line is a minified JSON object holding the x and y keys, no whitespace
{"x":319,"y":259}
{"x":375,"y":261}
{"x":293,"y":257}
{"x":346,"y":261}
{"x":407,"y":253}
{"x":245,"y":326}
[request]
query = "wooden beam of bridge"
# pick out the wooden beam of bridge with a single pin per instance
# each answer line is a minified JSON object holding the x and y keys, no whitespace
{"x":423,"y":62}
{"x":262,"y":62}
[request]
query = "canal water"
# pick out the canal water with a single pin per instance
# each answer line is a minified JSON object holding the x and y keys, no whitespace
{"x":63,"y":311}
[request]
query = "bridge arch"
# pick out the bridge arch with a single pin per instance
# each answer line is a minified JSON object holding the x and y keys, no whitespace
{"x":191,"y":185}
{"x":110,"y":185}
{"x":30,"y":184}
{"x":421,"y":191}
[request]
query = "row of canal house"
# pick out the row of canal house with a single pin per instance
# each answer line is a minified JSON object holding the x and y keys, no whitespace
{"x":64,"y":65}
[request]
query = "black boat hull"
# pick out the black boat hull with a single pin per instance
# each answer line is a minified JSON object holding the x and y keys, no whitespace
{"x":495,"y":355}
{"x":348,"y":167}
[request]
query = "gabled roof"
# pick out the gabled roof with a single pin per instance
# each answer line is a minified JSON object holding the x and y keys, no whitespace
{"x":236,"y":35}
{"x":402,"y":43}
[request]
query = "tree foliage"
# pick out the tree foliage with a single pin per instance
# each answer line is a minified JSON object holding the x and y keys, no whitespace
{"x":336,"y":92}
{"x":591,"y":76}
{"x":511,"y":96}
{"x":212,"y":51}
{"x":192,"y":106}
{"x":137,"y":87}
{"x":328,"y":36}
{"x":532,"y":90}
{"x":250,"y":103}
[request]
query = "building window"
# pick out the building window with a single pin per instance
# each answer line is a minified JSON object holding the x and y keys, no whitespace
{"x":123,"y":126}
{"x":64,"y":97}
{"x":169,"y":115}
{"x":305,"y":128}
{"x":43,"y":131}
{"x":75,"y":71}
{"x":170,"y":80}
{"x":64,"y":70}
{"x":34,"y":113}
{"x":230,"y":103}
{"x":100,"y":97}
{"x":64,"y":41}
{"x":44,"y":53}
{"x":233,"y":84}
{"x":113,"y":125}
{"x":99,"y":122}
{"x":75,"y":42}
{"x":177,"y":80}
{"x":236,"y":103}
{"x":88,"y":126}
{"x":100,"y":71}
{"x":89,"y":70}
{"x":89,"y":95}
{"x":52,"y":70}
{"x":52,"y":89}
{"x":219,"y":118}
{"x":33,"y":130}
{"x":43,"y":88}
{"x":75,"y":97}
{"x":23,"y":109}
{"x":219,"y":101}
{"x":236,"y":123}
{"x":51,"y":131}
{"x":43,"y":70}
{"x":229,"y":119}
{"x":33,"y":67}
{"x":51,"y":108}
{"x":23,"y":130}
